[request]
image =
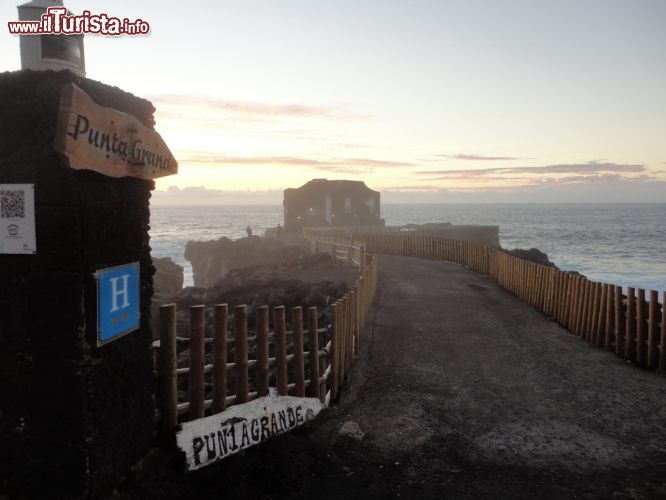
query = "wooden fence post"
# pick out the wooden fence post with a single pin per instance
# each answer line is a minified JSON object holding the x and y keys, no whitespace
{"x":566,"y":298}
{"x":342,"y":311}
{"x":590,"y":311}
{"x":578,"y":305}
{"x":541,"y":288}
{"x":362,"y":286}
{"x":197,"y":334}
{"x":601,"y":319}
{"x":534,"y":282}
{"x":299,"y":362}
{"x":581,"y":306}
{"x":640,"y":327}
{"x":313,"y":346}
{"x":167,"y":374}
{"x":342,"y":352}
{"x":220,"y":313}
{"x":653,"y":313}
{"x":356,"y":310}
{"x":350,"y":331}
{"x":240,"y":349}
{"x":630,"y":321}
{"x":562,"y":297}
{"x":619,"y":322}
{"x":280,"y":350}
{"x":584,"y":308}
{"x":571,"y":310}
{"x":589,"y":307}
{"x":582,"y":302}
{"x":334,"y":352}
{"x":594,"y":321}
{"x":262,"y":351}
{"x":662,"y":339}
{"x":608,"y":332}
{"x":552,"y":281}
{"x":575,"y":300}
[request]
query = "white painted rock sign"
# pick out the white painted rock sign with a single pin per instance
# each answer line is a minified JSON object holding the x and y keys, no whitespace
{"x":210,"y":439}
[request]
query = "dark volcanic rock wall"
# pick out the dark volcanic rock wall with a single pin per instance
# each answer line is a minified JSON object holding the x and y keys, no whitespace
{"x":169,"y":276}
{"x":533,"y":255}
{"x":72,"y":416}
{"x":212,"y":259}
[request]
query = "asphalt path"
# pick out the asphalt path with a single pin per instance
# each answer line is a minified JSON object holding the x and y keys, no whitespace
{"x":464,"y":391}
{"x":461,"y":391}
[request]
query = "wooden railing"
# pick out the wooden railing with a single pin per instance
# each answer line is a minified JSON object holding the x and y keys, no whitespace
{"x":632,"y":325}
{"x":341,"y":250}
{"x":233,"y":364}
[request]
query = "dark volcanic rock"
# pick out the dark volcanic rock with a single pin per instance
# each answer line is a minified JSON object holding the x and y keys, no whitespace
{"x":168,"y":278}
{"x":212,"y":259}
{"x":305,"y":281}
{"x":533,"y":255}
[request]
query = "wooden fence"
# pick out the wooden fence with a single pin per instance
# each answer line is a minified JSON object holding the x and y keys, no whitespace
{"x":341,"y":250}
{"x":230,"y":364}
{"x":632,"y":325}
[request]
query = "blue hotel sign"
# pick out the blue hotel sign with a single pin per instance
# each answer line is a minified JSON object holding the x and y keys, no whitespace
{"x":118,"y":311}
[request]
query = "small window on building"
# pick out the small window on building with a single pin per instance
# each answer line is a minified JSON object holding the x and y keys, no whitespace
{"x":62,"y":47}
{"x":370,"y":203}
{"x":347,"y":204}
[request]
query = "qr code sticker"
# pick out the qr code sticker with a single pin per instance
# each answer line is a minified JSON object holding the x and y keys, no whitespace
{"x":12,"y":204}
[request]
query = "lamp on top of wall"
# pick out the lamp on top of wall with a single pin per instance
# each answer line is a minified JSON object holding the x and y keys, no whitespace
{"x":54,"y":52}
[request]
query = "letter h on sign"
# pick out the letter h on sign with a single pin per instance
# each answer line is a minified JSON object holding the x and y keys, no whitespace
{"x":118,"y":311}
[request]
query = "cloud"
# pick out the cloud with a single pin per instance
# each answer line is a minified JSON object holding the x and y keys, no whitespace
{"x":610,"y":188}
{"x":200,"y":195}
{"x":170,"y":104}
{"x":348,"y":165}
{"x":465,"y":156}
{"x":591,"y":168}
{"x":413,"y":188}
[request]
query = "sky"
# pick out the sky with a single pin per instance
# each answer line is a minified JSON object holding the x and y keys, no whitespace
{"x":436,"y":101}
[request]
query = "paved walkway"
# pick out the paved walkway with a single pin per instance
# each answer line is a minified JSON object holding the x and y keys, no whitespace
{"x":464,"y":391}
{"x":475,"y":394}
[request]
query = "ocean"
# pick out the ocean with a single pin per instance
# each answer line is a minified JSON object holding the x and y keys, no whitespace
{"x":621,"y":244}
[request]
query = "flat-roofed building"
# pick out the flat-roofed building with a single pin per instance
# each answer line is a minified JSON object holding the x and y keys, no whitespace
{"x":321,"y":203}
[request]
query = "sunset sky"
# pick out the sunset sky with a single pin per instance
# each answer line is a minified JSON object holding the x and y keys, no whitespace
{"x":426,"y":101}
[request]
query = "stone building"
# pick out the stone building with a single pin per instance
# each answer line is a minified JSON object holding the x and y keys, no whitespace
{"x":321,"y":203}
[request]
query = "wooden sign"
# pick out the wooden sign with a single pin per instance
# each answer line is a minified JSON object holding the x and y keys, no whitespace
{"x":210,"y":439}
{"x":108,"y":141}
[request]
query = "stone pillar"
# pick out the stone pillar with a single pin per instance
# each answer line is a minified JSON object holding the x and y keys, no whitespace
{"x":73,"y":416}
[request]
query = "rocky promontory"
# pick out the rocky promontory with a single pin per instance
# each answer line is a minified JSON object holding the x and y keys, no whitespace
{"x":256,"y":272}
{"x":533,"y":255}
{"x":168,"y":277}
{"x":213,"y":259}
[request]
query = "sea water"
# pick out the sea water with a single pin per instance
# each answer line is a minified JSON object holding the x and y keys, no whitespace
{"x":621,"y":244}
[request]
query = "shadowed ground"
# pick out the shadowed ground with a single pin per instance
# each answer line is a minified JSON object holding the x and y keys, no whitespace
{"x":461,"y":391}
